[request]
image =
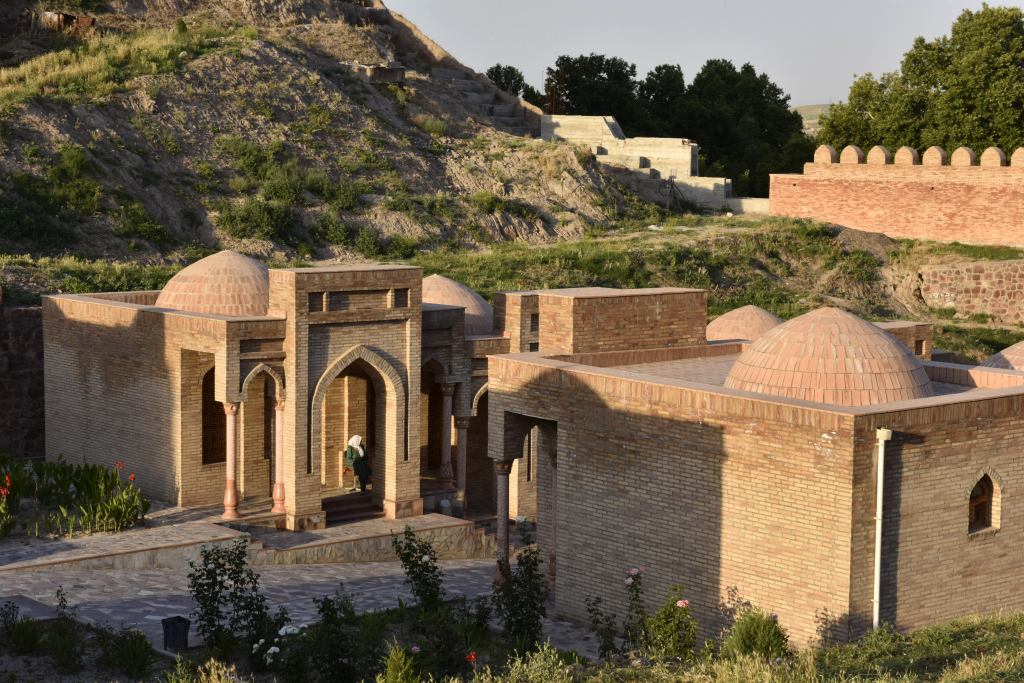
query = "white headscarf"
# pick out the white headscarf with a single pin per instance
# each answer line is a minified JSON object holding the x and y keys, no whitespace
{"x":354,"y":443}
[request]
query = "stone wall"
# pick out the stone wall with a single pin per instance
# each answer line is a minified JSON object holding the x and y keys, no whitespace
{"x":993,"y":287}
{"x":934,"y":197}
{"x":22,"y":417}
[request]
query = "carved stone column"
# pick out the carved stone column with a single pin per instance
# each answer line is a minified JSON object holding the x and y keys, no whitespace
{"x":279,"y":457}
{"x":447,"y":476}
{"x":554,"y":521}
{"x":231,"y":452}
{"x":462,"y":426}
{"x":503,"y":470}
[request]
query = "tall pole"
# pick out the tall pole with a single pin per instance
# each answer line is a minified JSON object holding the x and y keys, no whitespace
{"x":502,"y":469}
{"x":231,"y":458}
{"x":462,"y":426}
{"x":447,"y":476}
{"x":882,"y":435}
{"x":279,"y":457}
{"x":554,"y":521}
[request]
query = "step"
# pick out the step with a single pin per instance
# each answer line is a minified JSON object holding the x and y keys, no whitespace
{"x":480,"y":97}
{"x":448,"y":74}
{"x":470,"y":86}
{"x":335,"y":517}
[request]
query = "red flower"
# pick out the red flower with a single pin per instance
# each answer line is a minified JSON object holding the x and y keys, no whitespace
{"x":119,"y":464}
{"x":471,"y":657}
{"x":7,"y":479}
{"x":3,"y":492}
{"x":131,"y":478}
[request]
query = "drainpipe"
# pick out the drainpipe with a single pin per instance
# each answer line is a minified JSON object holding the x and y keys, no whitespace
{"x":882,"y":435}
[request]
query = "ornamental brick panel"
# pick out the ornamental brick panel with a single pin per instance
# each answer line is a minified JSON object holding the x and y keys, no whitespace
{"x":992,"y":287}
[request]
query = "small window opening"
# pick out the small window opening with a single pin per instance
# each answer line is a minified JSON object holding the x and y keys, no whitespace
{"x":535,"y":322}
{"x":918,"y":347}
{"x":534,"y":347}
{"x":980,"y":515}
{"x":401,"y":298}
{"x":316,"y":302}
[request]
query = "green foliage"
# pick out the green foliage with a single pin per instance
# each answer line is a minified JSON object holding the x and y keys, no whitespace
{"x":369,"y":138}
{"x":435,"y":146}
{"x":974,"y":343}
{"x":964,"y":89}
{"x":401,"y":96}
{"x":326,"y":227}
{"x":756,"y":633}
{"x":255,"y":219}
{"x":135,"y":221}
{"x":179,"y":26}
{"x":221,"y":577}
{"x":368,"y":158}
{"x":64,"y":643}
{"x":419,"y":562}
{"x":434,"y":126}
{"x":400,"y":247}
{"x":488,"y":202}
{"x":508,"y":78}
{"x":25,"y":634}
{"x":127,"y":650}
{"x":398,"y":666}
{"x":673,"y":632}
{"x":520,"y":600}
{"x":367,"y":242}
{"x":155,"y":133}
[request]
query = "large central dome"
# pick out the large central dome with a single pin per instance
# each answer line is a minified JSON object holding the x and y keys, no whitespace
{"x":225,"y":283}
{"x":438,"y":289}
{"x":831,"y":356}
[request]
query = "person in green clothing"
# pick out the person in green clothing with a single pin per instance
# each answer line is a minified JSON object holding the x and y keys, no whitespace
{"x":354,"y":451}
{"x":361,"y":466}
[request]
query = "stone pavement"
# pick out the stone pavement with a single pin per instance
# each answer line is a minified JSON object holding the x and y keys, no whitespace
{"x":141,"y":598}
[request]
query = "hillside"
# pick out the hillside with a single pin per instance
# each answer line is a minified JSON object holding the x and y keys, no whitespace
{"x":810,"y":113}
{"x":244,"y":130}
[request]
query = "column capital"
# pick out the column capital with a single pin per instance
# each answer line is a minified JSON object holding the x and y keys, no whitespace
{"x":462,"y":422}
{"x":554,"y":459}
{"x":447,"y":389}
{"x":230,"y":408}
{"x":503,"y":467}
{"x":279,"y":404}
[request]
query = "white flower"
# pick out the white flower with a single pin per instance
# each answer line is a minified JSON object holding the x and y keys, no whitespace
{"x":426,"y":558}
{"x":255,"y":647}
{"x":521,"y":518}
{"x":262,"y":640}
{"x":273,"y":650}
{"x":284,"y":629}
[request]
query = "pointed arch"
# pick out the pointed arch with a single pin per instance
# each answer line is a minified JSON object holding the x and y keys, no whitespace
{"x":476,"y":397}
{"x":396,"y":402}
{"x":437,"y":367}
{"x":263,"y":367}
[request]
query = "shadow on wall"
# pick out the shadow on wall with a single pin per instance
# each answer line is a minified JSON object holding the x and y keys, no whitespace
{"x":22,"y":419}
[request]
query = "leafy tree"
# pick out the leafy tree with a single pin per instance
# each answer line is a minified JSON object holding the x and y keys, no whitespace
{"x":963,"y":89}
{"x":508,"y":78}
{"x":596,"y":85}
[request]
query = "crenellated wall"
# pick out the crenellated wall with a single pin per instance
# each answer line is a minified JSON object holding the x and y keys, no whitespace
{"x":935,"y":196}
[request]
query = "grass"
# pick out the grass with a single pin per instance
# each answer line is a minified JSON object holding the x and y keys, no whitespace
{"x":77,"y":275}
{"x":100,"y":66}
{"x":434,"y":126}
{"x":972,"y":342}
{"x":488,"y":202}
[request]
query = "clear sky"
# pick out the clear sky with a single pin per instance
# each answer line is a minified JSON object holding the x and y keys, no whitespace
{"x":811,"y":48}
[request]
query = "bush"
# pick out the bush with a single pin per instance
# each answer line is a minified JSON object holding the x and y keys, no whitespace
{"x":221,"y":577}
{"x":419,"y":562}
{"x":519,"y":601}
{"x":326,"y":227}
{"x":367,"y":244}
{"x":64,"y":643}
{"x":435,"y":126}
{"x":126,"y":650}
{"x":256,"y":219}
{"x":25,"y":634}
{"x":398,"y":666}
{"x":756,"y":633}
{"x":135,"y":221}
{"x":401,"y":247}
{"x":488,"y":202}
{"x":673,"y":632}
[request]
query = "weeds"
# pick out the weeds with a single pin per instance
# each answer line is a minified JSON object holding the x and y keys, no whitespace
{"x":488,"y":202}
{"x":434,"y":126}
{"x":255,"y":219}
{"x":135,"y":221}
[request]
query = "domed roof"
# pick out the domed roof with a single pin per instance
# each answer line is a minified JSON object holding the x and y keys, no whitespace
{"x":749,"y":322}
{"x":438,"y":289}
{"x":831,"y":356}
{"x":225,"y":283}
{"x":1011,"y":358}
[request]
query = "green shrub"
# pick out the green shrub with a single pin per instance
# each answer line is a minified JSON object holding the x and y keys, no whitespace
{"x":401,"y":247}
{"x":127,"y":650}
{"x":179,"y":26}
{"x":135,"y":221}
{"x":348,"y":164}
{"x":204,"y":169}
{"x":372,"y":140}
{"x":368,"y":158}
{"x":319,"y":116}
{"x":436,"y":146}
{"x":398,"y":666}
{"x":756,"y":633}
{"x":488,"y":202}
{"x":25,"y":635}
{"x":673,"y":632}
{"x":366,"y":243}
{"x":520,"y":600}
{"x":255,"y":219}
{"x":435,"y":126}
{"x":419,"y":562}
{"x":327,"y":227}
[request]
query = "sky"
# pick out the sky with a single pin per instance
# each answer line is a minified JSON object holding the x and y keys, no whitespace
{"x":811,"y":48}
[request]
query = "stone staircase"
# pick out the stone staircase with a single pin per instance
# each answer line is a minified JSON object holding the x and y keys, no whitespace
{"x":351,"y":508}
{"x":483,"y":96}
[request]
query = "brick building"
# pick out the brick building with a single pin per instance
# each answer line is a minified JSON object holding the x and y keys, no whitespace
{"x":933,"y":196}
{"x":741,"y":465}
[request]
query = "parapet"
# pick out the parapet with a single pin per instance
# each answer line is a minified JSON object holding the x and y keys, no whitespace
{"x":963,"y":165}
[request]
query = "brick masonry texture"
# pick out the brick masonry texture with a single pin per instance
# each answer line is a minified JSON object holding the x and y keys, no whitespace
{"x":778,"y":500}
{"x":22,"y":421}
{"x":992,"y":287}
{"x":982,"y":204}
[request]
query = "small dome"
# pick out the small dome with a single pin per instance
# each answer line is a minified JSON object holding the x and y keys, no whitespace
{"x":225,"y":283}
{"x":438,"y":289}
{"x":749,"y":322}
{"x":831,"y":356}
{"x":1011,"y":358}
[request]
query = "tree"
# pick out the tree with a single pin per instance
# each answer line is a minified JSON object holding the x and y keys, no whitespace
{"x":965,"y":89}
{"x":596,"y":85}
{"x":508,"y":78}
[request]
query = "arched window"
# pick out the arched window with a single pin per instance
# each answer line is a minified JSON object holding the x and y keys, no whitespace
{"x":982,"y":498}
{"x":214,"y":423}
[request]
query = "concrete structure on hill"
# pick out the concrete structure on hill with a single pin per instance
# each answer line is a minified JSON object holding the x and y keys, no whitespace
{"x":934,"y":197}
{"x":744,"y":467}
{"x":650,"y":159}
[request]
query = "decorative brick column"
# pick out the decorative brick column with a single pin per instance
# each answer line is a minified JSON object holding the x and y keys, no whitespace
{"x":447,"y":476}
{"x":503,"y":470}
{"x":279,"y":458}
{"x":231,"y":452}
{"x":554,"y":521}
{"x":462,"y":425}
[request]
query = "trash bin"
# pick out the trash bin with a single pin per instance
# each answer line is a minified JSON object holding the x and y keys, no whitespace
{"x":175,"y":633}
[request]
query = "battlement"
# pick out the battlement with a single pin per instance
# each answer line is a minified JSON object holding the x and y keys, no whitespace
{"x":963,"y":166}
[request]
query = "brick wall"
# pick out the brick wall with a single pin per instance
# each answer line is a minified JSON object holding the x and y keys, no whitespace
{"x":597,"y":319}
{"x":22,"y":413}
{"x":900,"y":196}
{"x":993,"y":287}
{"x":480,"y":485}
{"x":915,"y":336}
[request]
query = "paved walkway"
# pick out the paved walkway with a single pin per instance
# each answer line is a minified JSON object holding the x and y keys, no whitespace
{"x":142,"y":598}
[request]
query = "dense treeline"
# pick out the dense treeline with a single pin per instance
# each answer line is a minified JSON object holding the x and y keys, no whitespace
{"x":963,"y":89}
{"x":740,"y":118}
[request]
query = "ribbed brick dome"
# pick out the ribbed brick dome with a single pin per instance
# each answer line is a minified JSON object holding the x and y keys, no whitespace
{"x":830,"y":356}
{"x":438,"y":289}
{"x":1010,"y":358}
{"x":225,"y":283}
{"x":749,"y":322}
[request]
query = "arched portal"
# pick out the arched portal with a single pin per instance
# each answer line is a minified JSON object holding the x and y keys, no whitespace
{"x":214,"y":421}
